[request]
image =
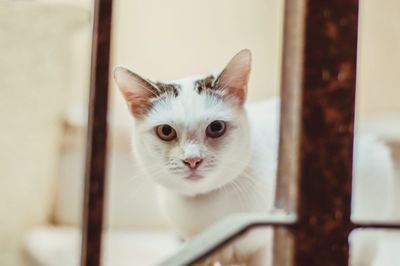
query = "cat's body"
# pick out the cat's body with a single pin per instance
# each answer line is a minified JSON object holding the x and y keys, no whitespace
{"x":213,"y":157}
{"x":254,"y":189}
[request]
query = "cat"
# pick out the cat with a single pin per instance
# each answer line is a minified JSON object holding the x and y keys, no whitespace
{"x":212,"y":154}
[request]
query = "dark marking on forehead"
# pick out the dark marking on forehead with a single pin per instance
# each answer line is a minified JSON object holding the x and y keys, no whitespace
{"x":161,"y":89}
{"x":206,"y":84}
{"x":167,"y":88}
{"x":158,"y":91}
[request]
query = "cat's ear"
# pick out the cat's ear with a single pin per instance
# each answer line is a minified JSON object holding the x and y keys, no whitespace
{"x":136,"y":90}
{"x":234,"y":78}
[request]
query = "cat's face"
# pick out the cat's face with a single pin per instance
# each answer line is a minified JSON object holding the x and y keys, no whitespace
{"x":191,"y":135}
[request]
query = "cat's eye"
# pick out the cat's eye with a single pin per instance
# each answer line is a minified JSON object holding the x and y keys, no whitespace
{"x":216,"y":129}
{"x":166,"y":132}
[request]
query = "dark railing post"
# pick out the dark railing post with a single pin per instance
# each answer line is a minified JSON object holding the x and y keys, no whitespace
{"x":326,"y":133}
{"x":96,"y":150}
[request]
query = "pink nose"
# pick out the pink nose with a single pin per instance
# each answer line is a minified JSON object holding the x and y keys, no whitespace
{"x":193,"y":162}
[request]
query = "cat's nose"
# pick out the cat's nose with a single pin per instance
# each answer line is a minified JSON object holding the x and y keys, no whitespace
{"x":192,"y":162}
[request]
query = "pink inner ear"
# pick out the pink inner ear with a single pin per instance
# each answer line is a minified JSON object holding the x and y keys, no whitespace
{"x":137,"y":104}
{"x":234,"y":78}
{"x":136,"y":91}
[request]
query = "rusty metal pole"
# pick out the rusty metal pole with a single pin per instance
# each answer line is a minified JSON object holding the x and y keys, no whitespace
{"x":326,"y":133}
{"x":96,"y":150}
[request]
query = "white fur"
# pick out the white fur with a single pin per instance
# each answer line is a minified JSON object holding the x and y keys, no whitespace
{"x":189,"y":114}
{"x":238,"y":171}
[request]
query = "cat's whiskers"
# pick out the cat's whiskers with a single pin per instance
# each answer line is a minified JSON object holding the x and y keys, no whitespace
{"x":240,"y":195}
{"x":175,"y":168}
{"x":254,"y":186}
{"x":233,"y":186}
{"x":248,"y":193}
{"x":244,"y":194}
{"x":155,"y":171}
{"x":248,"y":183}
{"x":235,"y":163}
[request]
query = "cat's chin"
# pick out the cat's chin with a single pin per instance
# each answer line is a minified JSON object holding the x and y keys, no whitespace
{"x":197,"y":186}
{"x":193,"y":177}
{"x":190,"y":186}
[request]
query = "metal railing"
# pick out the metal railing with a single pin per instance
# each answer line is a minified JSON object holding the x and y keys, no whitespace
{"x":96,"y":146}
{"x":316,"y":141}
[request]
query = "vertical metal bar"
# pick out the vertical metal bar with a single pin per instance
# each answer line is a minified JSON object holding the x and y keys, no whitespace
{"x":292,"y":63}
{"x":291,"y":80}
{"x":326,"y":133}
{"x":96,"y":150}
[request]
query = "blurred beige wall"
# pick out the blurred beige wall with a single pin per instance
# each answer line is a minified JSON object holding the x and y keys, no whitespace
{"x":35,"y":66}
{"x":379,"y":57}
{"x":168,"y":39}
{"x":176,"y":38}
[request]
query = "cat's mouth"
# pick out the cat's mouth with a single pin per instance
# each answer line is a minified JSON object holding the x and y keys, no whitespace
{"x":193,"y":176}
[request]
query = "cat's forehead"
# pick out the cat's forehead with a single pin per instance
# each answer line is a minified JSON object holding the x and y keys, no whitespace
{"x":191,"y":102}
{"x":197,"y":83}
{"x":195,"y":78}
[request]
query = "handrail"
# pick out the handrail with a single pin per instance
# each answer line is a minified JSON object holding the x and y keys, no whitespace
{"x":222,"y":233}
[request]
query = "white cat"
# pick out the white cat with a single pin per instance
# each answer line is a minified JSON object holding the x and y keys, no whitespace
{"x":212,"y":155}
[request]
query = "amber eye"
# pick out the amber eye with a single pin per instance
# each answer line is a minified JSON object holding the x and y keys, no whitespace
{"x":216,"y":129}
{"x":166,"y":132}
